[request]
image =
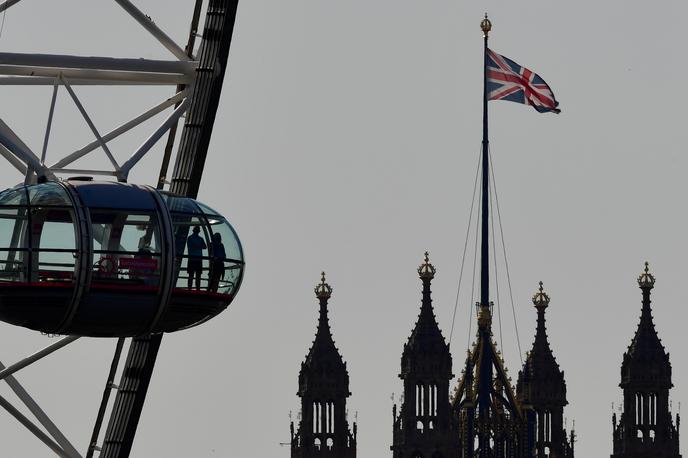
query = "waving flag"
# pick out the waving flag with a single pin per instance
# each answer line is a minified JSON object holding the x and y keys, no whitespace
{"x":506,"y":80}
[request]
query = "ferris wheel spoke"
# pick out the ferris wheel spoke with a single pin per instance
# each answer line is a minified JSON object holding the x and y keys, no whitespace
{"x":12,"y":143}
{"x":7,"y":4}
{"x":95,"y":70}
{"x":12,"y":159}
{"x":51,"y":112}
{"x":154,"y":30}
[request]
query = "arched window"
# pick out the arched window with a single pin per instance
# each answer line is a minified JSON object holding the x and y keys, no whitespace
{"x":330,"y":417}
{"x":420,"y":400}
{"x":316,"y":417}
{"x":433,"y":400}
{"x":548,"y":426}
{"x":639,"y":411}
{"x":323,"y":417}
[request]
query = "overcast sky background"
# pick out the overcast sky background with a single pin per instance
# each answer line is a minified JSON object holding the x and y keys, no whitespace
{"x":346,"y":140}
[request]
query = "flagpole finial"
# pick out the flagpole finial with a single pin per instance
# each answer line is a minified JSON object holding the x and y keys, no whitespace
{"x":486,"y":26}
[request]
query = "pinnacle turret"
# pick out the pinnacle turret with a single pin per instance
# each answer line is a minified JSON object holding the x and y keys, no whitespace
{"x":323,"y":429}
{"x":646,"y":360}
{"x":426,"y":341}
{"x":323,"y":361}
{"x":645,"y":427}
{"x":424,"y":425}
{"x":541,"y":377}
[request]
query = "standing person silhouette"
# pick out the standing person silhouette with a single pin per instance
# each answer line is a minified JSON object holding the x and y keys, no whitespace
{"x":194,"y":267}
{"x":217,"y":268}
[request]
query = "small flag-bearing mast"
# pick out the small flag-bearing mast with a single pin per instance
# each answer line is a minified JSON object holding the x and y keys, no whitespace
{"x":485,"y":366}
{"x":494,"y":422}
{"x":486,"y":26}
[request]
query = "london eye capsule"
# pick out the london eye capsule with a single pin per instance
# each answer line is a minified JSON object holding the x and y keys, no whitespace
{"x":108,"y":259}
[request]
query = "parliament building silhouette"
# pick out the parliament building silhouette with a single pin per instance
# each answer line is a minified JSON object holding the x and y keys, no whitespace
{"x":484,"y":416}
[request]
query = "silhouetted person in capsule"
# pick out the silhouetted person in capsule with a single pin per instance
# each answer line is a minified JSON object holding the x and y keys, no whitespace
{"x":195,"y":245}
{"x":217,"y":268}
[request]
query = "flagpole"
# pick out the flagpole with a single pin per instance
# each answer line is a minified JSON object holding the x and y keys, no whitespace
{"x":486,"y":26}
{"x":484,"y":312}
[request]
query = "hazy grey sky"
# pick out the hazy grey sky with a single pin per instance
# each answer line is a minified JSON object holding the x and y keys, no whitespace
{"x":346,"y":140}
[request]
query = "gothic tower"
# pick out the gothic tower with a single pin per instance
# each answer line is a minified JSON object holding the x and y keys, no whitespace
{"x":541,"y":390}
{"x":323,"y":430}
{"x":645,"y":428}
{"x":424,"y":427}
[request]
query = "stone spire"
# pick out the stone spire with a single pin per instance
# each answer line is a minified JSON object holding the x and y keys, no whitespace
{"x":645,"y":427}
{"x":323,"y":352}
{"x":425,"y":425}
{"x":426,"y":341}
{"x":541,"y":388}
{"x":323,"y":387}
{"x":540,"y":363}
{"x":646,"y":360}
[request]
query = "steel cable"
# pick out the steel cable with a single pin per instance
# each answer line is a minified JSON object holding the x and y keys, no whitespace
{"x":506,"y":260}
{"x":465,"y":246}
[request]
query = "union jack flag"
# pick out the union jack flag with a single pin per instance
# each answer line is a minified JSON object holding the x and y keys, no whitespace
{"x":506,"y":80}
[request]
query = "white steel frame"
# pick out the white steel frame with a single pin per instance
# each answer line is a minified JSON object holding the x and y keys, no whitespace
{"x":64,"y":71}
{"x":58,"y":443}
{"x":70,"y":71}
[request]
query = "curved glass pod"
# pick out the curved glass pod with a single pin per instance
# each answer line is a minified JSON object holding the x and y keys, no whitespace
{"x":112,"y":259}
{"x":208,"y":263}
{"x":38,"y":255}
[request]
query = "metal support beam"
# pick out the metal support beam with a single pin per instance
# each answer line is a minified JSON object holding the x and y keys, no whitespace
{"x":95,"y":70}
{"x":93,"y":445}
{"x":106,"y":173}
{"x":167,"y":155}
{"x":87,"y":118}
{"x":106,"y":76}
{"x":40,"y":415}
{"x":18,"y":148}
{"x":36,"y":356}
{"x":43,"y":437}
{"x":152,"y":140}
{"x":7,"y":4}
{"x":126,"y":410}
{"x":12,"y":159}
{"x":51,"y":112}
{"x":121,"y":129}
{"x":119,"y":64}
{"x":123,"y":79}
{"x":149,"y":25}
{"x":205,"y":97}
